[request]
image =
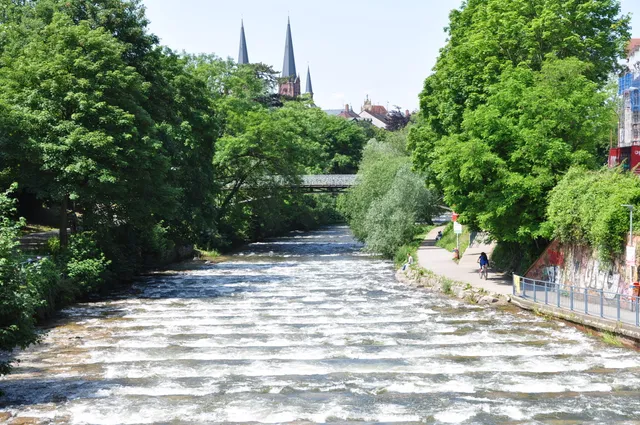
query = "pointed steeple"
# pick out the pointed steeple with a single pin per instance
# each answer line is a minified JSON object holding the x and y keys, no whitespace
{"x":309,"y":88}
{"x":243,"y":56}
{"x":289,"y":65}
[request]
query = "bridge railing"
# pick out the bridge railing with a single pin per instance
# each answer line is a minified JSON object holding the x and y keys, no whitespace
{"x":328,"y":180}
{"x":589,"y":301}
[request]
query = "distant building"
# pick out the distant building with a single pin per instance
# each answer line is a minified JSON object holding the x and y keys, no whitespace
{"x":348,"y":113}
{"x":375,"y":114}
{"x":309,"y":88}
{"x":627,"y":151}
{"x":243,"y":55}
{"x":290,"y":84}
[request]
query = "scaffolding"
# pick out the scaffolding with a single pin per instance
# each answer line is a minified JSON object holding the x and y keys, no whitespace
{"x":629,"y":127}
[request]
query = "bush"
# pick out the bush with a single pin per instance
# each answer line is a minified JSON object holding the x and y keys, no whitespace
{"x":82,"y":267}
{"x":586,"y":207}
{"x":400,"y":256}
{"x":391,"y":220}
{"x":388,"y":199}
{"x":516,"y":257}
{"x":18,"y":296}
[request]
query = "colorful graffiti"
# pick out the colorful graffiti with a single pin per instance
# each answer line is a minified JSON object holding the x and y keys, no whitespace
{"x":578,"y":265}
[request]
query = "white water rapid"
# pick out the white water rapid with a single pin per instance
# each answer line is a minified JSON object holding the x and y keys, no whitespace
{"x":307,"y":329}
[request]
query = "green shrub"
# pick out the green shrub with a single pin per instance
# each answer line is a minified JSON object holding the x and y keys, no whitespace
{"x":19,"y":297}
{"x":83,"y":266}
{"x":586,"y":207}
{"x":420,"y":232}
{"x":446,"y":287}
{"x":516,"y":257}
{"x":387,"y":201}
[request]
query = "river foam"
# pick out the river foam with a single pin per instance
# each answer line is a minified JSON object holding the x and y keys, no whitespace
{"x":309,"y":328}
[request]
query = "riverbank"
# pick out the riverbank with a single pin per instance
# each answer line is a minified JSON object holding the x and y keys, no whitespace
{"x":426,"y":279}
{"x":308,"y":328}
{"x":435,"y":270}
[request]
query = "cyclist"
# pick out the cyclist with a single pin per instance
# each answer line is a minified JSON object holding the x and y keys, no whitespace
{"x":483,"y":260}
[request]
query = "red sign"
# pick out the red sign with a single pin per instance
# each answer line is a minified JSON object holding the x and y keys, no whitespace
{"x":614,"y":157}
{"x":454,"y":216}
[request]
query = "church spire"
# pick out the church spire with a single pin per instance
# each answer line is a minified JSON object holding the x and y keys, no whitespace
{"x":243,"y":56}
{"x":289,"y":65}
{"x":309,"y":88}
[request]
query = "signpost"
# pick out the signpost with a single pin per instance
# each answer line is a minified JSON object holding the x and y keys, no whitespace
{"x":457,"y":229}
{"x":631,"y":256}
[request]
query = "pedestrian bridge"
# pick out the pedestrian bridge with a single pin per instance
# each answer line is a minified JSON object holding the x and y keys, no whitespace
{"x":313,"y":183}
{"x":327,"y":182}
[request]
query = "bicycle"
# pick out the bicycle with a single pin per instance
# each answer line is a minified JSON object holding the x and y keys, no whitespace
{"x":484,"y":271}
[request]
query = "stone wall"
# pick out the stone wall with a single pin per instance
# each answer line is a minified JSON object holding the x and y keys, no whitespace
{"x":578,"y":265}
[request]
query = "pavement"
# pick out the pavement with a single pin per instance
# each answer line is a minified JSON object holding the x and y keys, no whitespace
{"x":440,"y":261}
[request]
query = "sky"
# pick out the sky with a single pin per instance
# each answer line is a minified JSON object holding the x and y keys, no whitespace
{"x":354,"y":48}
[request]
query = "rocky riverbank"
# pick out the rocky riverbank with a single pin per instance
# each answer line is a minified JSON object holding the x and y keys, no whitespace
{"x":419,"y":277}
{"x":428,"y":280}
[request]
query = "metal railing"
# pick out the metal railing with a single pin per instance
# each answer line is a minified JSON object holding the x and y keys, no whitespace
{"x":589,"y":301}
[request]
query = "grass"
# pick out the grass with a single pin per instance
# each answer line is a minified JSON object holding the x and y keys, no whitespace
{"x":611,"y":339}
{"x":207,"y":255}
{"x":446,"y":287}
{"x":448,"y":240}
{"x":412,"y":247}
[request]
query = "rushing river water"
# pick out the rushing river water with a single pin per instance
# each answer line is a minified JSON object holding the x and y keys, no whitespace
{"x":308,"y":329}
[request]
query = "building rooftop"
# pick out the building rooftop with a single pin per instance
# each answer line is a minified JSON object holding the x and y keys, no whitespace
{"x":380,"y":117}
{"x":634,"y":45}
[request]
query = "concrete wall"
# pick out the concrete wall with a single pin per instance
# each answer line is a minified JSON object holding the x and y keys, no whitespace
{"x":578,"y":265}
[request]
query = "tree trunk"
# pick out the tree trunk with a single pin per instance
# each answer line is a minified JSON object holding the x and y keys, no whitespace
{"x":64,"y":236}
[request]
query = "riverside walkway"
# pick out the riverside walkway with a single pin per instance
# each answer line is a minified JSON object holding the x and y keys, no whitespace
{"x":608,"y":318}
{"x":440,"y":261}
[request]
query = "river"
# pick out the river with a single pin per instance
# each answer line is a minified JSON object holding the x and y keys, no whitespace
{"x":307,"y":328}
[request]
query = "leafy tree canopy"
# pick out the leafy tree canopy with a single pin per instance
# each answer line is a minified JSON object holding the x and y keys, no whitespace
{"x":388,"y":199}
{"x":517,"y":97}
{"x":486,"y":37}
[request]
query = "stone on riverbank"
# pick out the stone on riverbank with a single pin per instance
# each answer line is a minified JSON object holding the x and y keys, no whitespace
{"x":423,"y":278}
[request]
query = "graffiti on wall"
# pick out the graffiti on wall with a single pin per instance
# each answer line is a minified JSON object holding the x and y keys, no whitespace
{"x":579,"y":266}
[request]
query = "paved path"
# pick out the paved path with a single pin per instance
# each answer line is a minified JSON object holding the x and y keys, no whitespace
{"x":440,"y":261}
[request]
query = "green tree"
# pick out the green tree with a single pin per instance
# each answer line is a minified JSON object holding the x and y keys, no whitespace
{"x":517,"y":97}
{"x":18,"y":299}
{"x":388,"y":199}
{"x":513,"y":150}
{"x":90,"y":137}
{"x":488,"y":36}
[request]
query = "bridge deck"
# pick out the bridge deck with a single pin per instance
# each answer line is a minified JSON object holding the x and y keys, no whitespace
{"x":328,"y":181}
